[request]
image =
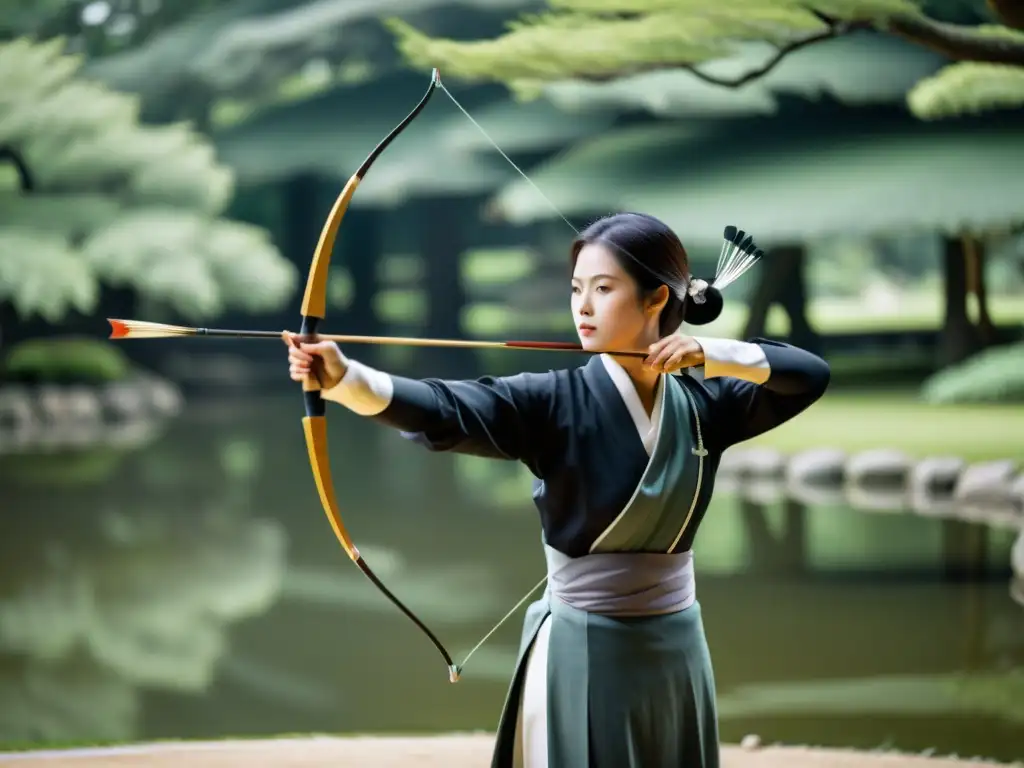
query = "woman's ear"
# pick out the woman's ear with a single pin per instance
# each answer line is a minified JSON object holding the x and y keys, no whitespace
{"x":656,"y":300}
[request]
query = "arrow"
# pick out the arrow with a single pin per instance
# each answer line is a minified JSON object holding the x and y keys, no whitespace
{"x":139,"y":329}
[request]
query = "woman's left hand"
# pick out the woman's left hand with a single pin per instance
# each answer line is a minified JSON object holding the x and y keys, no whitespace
{"x":673,"y":353}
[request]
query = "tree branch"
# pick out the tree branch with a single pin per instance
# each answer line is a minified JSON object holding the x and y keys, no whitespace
{"x":835,"y":29}
{"x":956,"y":41}
{"x":765,"y":68}
{"x":952,"y":40}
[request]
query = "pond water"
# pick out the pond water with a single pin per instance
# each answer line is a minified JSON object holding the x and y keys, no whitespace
{"x":192,"y":588}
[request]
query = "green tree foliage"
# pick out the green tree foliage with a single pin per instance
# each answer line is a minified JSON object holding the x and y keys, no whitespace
{"x":115,"y":202}
{"x":66,"y":360}
{"x":968,"y":87}
{"x":217,"y":61}
{"x":607,"y":39}
{"x":995,"y":375}
{"x":19,"y":17}
{"x":94,"y":27}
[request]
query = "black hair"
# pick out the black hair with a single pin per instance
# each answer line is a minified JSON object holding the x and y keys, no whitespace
{"x":653,"y":255}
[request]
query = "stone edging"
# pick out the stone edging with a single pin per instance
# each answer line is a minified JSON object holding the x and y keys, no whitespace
{"x":880,"y":480}
{"x":49,"y":417}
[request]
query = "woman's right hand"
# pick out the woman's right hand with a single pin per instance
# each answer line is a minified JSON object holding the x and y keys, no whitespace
{"x":324,"y":360}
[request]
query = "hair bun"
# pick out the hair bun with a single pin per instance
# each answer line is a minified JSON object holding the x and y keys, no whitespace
{"x":706,"y":311}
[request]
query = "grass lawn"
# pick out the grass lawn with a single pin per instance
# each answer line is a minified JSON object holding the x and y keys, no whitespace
{"x":855,"y":421}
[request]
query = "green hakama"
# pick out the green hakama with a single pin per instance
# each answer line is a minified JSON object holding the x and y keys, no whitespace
{"x":614,"y":668}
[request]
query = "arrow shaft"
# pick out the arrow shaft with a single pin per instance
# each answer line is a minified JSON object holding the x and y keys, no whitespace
{"x":413,"y":341}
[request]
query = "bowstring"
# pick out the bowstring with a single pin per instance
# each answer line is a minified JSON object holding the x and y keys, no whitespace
{"x":568,"y":223}
{"x":497,"y":626}
{"x":510,"y":161}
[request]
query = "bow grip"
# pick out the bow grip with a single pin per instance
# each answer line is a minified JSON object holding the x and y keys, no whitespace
{"x":315,"y":405}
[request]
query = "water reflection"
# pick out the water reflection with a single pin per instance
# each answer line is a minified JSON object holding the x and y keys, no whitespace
{"x":193,"y":589}
{"x":124,"y":579}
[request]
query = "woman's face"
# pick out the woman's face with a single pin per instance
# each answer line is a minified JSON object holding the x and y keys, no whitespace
{"x":607,"y":307}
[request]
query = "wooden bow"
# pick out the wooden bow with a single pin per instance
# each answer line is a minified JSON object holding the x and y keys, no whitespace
{"x":314,"y":424}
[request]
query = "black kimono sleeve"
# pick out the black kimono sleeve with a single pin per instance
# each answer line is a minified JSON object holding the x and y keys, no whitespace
{"x":494,"y":417}
{"x":743,"y":409}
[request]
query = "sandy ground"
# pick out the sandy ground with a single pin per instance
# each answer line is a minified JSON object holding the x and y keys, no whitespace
{"x":455,"y":751}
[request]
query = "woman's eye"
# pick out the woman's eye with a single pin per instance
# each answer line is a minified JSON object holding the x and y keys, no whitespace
{"x":603,"y":288}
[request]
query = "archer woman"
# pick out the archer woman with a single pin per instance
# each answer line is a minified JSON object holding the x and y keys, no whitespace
{"x":614,"y":668}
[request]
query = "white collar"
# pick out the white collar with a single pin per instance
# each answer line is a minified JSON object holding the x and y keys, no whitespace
{"x":646,"y":426}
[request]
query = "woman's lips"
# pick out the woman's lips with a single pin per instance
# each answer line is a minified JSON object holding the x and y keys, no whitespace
{"x":587,"y":330}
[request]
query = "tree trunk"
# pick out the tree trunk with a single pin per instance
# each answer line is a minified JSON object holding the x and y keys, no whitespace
{"x":9,"y":318}
{"x":793,"y":298}
{"x":959,"y":338}
{"x":974,"y":253}
{"x":361,"y":252}
{"x":305,"y":211}
{"x":8,"y":324}
{"x":782,"y":279}
{"x":441,"y":239}
{"x":304,"y":208}
{"x":442,"y":242}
